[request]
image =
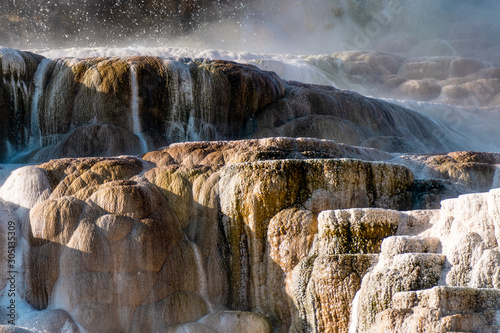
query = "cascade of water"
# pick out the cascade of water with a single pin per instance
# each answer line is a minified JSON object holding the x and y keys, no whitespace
{"x":15,"y":99}
{"x":295,"y":68}
{"x":10,"y":149}
{"x":35,"y":140}
{"x":180,"y":84}
{"x":205,"y":103}
{"x":12,"y":61}
{"x":420,"y":170}
{"x":137,"y":127}
{"x":289,"y":67}
{"x":13,"y":69}
{"x":478,"y":126}
{"x":203,"y":289}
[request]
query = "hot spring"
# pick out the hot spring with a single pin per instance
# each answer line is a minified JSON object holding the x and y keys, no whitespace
{"x":219,"y":166}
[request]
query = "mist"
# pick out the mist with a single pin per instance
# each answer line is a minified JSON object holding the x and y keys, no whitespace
{"x":315,"y":33}
{"x":279,"y":26}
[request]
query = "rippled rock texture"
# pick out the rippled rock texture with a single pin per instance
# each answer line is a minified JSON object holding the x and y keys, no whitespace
{"x":441,"y":78}
{"x":106,"y":106}
{"x":478,"y":171}
{"x":288,"y":235}
{"x":442,"y":275}
{"x":276,"y":234}
{"x":188,"y":232}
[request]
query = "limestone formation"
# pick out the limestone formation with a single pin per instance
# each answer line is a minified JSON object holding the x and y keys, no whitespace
{"x":106,"y":106}
{"x":378,"y":230}
{"x":277,"y":234}
{"x":6,"y":216}
{"x":103,"y":226}
{"x":443,"y":78}
{"x":477,"y":171}
{"x":328,"y":113}
{"x":16,"y":90}
{"x":441,"y":309}
{"x":13,"y":329}
{"x":49,"y":320}
{"x":236,"y":321}
{"x":323,"y":285}
{"x":448,"y":266}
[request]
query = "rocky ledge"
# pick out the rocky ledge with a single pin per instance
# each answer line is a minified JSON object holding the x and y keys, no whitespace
{"x":107,"y":106}
{"x":288,"y":235}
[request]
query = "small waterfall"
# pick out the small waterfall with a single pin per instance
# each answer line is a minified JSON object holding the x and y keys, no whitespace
{"x":137,"y":127}
{"x":193,"y":129}
{"x":181,"y":89}
{"x":14,"y":69}
{"x":35,"y":140}
{"x":12,"y":61}
{"x":474,"y":128}
{"x":203,"y":288}
{"x":419,"y":169}
{"x":298,"y":68}
{"x":10,"y":149}
{"x":200,"y":127}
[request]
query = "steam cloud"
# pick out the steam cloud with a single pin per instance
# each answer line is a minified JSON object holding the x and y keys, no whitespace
{"x":279,"y":26}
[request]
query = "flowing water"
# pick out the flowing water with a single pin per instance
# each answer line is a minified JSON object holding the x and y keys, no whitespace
{"x":137,"y":126}
{"x":35,"y":133}
{"x":437,"y":59}
{"x":202,"y":276}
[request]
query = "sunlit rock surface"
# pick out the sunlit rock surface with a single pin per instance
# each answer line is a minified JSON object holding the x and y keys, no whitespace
{"x":454,"y":251}
{"x":460,"y":309}
{"x":452,"y":79}
{"x":463,"y":96}
{"x":381,"y":229}
{"x":449,"y":79}
{"x":106,"y":106}
{"x":12,"y":329}
{"x":288,"y":235}
{"x":273,"y":234}
{"x":478,"y":171}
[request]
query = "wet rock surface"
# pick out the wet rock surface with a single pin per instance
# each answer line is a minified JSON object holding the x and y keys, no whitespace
{"x":281,"y":234}
{"x":107,"y":106}
{"x":449,"y":79}
{"x":377,"y":228}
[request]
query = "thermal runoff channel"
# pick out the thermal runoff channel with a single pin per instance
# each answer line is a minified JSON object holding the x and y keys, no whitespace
{"x":254,"y":166}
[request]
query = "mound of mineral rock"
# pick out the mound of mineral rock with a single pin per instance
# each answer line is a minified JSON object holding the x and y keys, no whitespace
{"x":254,"y":235}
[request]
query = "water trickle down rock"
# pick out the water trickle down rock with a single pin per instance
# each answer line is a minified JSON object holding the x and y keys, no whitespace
{"x":328,"y":113}
{"x":265,"y":224}
{"x":104,"y":225}
{"x":475,"y":170}
{"x":108,"y":106}
{"x":125,"y":224}
{"x":114,"y":105}
{"x":16,"y":90}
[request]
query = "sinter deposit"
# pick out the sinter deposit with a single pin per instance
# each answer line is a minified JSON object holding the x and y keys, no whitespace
{"x":254,"y":235}
{"x":252,"y":167}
